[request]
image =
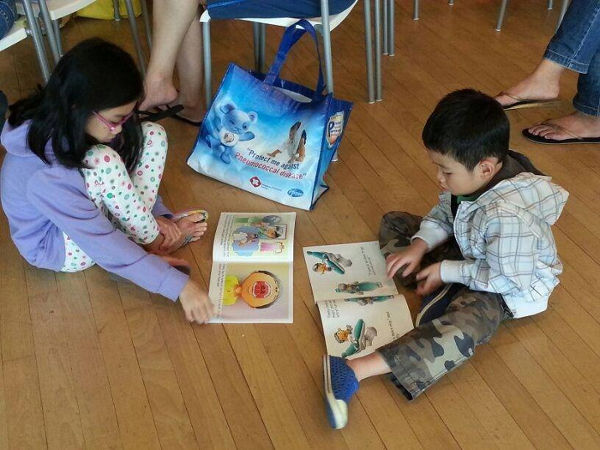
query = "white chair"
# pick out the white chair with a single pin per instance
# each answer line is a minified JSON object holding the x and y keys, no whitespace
{"x":20,"y":30}
{"x":324,"y":24}
{"x":51,"y":12}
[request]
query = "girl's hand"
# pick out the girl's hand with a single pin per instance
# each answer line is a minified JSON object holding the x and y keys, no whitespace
{"x":195,"y":303}
{"x":170,"y":231}
{"x":430,"y":279}
{"x":407,"y":260}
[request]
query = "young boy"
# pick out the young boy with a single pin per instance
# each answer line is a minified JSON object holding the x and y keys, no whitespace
{"x":484,"y":254}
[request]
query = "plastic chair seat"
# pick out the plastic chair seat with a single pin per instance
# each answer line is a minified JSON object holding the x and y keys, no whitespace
{"x":16,"y":34}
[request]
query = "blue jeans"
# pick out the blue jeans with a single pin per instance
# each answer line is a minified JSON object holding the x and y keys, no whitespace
{"x":576,"y":46}
{"x":8,"y":14}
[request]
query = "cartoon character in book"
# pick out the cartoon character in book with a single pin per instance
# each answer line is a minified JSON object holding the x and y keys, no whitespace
{"x":360,"y":337}
{"x":363,"y":301}
{"x":260,"y":289}
{"x":294,"y":147}
{"x":330,"y":262}
{"x":271,"y":219}
{"x":358,"y":287}
{"x":272,"y":247}
{"x":228,"y":127}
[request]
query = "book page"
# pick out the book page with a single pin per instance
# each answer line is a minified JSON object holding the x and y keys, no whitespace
{"x":254,"y":237}
{"x":358,"y":326}
{"x":252,"y":292}
{"x":347,"y":270}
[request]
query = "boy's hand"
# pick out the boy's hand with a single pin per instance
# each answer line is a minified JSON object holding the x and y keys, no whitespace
{"x":195,"y":303}
{"x":429,"y":279}
{"x":408,"y":259}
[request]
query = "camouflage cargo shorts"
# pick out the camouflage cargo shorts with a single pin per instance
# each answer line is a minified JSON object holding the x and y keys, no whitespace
{"x":421,"y":357}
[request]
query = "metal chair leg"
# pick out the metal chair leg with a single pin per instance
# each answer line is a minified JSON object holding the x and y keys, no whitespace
{"x":136,"y":37}
{"x":550,"y":4}
{"x":378,"y":96}
{"x":58,"y":37}
{"x":50,"y":31}
{"x":369,"y":51}
{"x":116,"y":11}
{"x":262,"y":44}
{"x":563,"y":10}
{"x":327,"y":45}
{"x":386,"y":49}
{"x":38,"y":42}
{"x":256,"y":38}
{"x":207,"y":63}
{"x":451,"y":2}
{"x":391,"y":25}
{"x":501,"y":15}
{"x":147,"y":26}
{"x":415,"y":9}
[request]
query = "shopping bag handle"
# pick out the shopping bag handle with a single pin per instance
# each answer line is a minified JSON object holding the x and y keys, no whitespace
{"x":291,"y":35}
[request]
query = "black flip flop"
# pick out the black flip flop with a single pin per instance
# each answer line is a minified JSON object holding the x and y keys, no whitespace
{"x":527,"y":102}
{"x":155,"y":116}
{"x":188,"y":121}
{"x":574,"y":140}
{"x":176,"y":116}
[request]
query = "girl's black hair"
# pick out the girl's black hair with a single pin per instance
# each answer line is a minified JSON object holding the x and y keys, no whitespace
{"x":92,"y":76}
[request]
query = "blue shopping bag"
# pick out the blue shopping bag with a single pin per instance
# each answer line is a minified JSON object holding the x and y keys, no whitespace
{"x":269,"y":136}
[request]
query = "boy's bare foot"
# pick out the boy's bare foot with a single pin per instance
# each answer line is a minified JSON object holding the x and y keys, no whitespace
{"x":575,"y":124}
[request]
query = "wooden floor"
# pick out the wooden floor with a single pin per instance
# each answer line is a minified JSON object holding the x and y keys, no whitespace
{"x":89,"y":363}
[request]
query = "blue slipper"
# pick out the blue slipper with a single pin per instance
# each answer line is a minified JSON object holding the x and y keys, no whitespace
{"x":340,"y":384}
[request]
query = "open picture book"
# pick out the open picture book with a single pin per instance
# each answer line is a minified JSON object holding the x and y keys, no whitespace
{"x":360,"y":307}
{"x":252,"y":276}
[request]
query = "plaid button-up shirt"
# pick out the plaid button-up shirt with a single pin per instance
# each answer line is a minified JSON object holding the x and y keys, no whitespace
{"x":505,"y":239}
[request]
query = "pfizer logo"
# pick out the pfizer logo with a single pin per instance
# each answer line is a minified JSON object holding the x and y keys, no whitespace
{"x":295,"y":192}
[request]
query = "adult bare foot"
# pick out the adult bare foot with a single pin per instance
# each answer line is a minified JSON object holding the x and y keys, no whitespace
{"x":575,"y":125}
{"x":192,"y":110}
{"x":542,"y":84}
{"x":159,"y":91}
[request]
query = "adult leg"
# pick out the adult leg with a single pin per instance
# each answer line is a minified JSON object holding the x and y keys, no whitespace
{"x":189,"y":70}
{"x":172,"y":20}
{"x":572,"y":47}
{"x":585,"y":121}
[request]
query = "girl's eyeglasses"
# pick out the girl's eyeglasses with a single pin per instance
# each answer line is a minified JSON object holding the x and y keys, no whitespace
{"x":112,"y":126}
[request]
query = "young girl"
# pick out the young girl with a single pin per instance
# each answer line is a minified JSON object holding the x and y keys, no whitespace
{"x":79,"y":184}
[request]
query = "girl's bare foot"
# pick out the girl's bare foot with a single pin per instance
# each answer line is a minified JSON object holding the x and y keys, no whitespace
{"x":576,"y":124}
{"x":192,"y":228}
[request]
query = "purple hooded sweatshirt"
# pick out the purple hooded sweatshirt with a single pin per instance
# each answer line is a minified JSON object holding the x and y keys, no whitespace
{"x":42,"y":201}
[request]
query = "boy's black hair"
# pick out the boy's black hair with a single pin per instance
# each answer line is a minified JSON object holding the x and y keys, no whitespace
{"x":92,"y":76}
{"x":468,"y":126}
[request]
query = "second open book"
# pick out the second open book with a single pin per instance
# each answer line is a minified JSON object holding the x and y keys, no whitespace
{"x":360,"y":307}
{"x":251,"y":278}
